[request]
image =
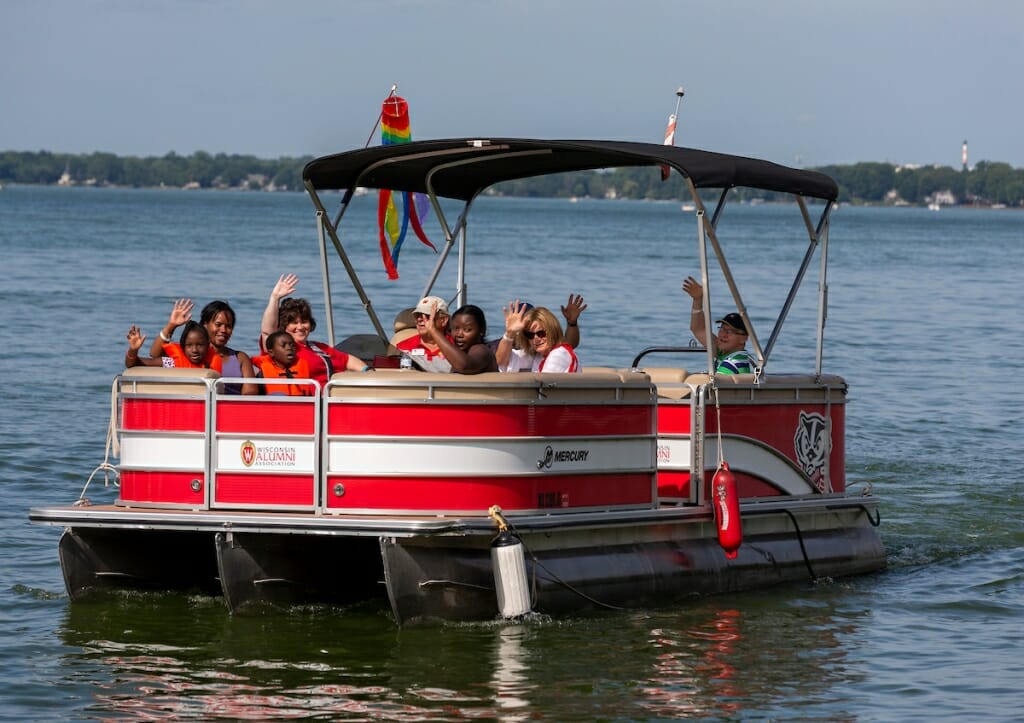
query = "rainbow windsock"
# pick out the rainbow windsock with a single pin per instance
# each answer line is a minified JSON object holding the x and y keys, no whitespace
{"x":393,"y":225}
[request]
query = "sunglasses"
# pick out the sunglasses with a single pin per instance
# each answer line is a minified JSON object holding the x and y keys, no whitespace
{"x":729,"y":330}
{"x":540,"y":333}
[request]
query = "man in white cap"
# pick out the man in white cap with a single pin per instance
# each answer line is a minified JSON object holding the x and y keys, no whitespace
{"x":423,"y":351}
{"x":728,"y":346}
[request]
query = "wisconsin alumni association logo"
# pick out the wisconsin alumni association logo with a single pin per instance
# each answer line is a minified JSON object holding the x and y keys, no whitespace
{"x":248,"y":452}
{"x":266,"y":456}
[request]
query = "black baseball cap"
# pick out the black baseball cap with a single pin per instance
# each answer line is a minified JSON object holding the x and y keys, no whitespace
{"x":734,"y":320}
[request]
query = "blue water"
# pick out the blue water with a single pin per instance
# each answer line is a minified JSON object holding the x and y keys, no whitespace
{"x":924,"y":323}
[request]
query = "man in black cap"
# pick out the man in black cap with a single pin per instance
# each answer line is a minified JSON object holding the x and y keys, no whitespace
{"x":730,"y":355}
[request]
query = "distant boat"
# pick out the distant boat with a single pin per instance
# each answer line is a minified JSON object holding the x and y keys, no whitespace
{"x":934,"y":206}
{"x":65,"y":178}
{"x":688,"y":207}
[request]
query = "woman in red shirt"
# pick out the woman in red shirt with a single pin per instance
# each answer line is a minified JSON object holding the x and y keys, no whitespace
{"x":296,"y":317}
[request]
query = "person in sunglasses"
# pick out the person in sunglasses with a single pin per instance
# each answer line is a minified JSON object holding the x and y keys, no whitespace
{"x":730,"y":355}
{"x":533,"y":342}
{"x":425,"y":353}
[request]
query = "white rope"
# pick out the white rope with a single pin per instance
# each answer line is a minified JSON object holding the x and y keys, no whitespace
{"x":718,"y":417}
{"x":113,"y":448}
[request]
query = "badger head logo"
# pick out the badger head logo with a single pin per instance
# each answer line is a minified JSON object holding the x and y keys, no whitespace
{"x":812,"y":443}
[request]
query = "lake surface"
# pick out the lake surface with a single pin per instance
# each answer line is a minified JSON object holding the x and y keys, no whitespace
{"x":925,"y":324}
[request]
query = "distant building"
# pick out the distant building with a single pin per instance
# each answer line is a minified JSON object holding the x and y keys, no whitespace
{"x":943,"y":198}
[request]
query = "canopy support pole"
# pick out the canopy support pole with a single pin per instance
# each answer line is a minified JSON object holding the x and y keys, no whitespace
{"x":324,"y":224}
{"x":815,"y":235}
{"x":708,"y":229}
{"x":822,"y":289}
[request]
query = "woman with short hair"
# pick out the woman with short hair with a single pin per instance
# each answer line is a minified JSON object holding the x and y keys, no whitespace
{"x":295,"y":316}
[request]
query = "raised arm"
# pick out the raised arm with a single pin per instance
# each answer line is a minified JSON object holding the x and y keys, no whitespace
{"x":135,"y":341}
{"x":571,"y":311}
{"x":285,"y":286}
{"x":696,"y":292}
{"x":515,"y":314}
{"x":181,"y":313}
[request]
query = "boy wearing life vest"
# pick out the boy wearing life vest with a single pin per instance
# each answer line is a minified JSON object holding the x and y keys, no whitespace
{"x":281,"y":362}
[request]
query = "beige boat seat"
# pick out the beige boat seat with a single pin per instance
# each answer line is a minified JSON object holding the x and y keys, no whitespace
{"x":547,"y":386}
{"x":669,"y":381}
{"x":166,"y":380}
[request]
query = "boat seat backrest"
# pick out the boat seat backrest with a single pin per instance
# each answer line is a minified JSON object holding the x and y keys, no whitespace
{"x":405,"y":319}
{"x":775,"y":387}
{"x":547,"y":386}
{"x":401,"y":335}
{"x":161,"y":380}
{"x":669,"y":381}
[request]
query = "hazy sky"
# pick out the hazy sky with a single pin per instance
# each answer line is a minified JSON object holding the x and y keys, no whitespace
{"x":799,"y":82}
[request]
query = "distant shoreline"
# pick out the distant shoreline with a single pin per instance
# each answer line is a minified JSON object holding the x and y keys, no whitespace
{"x":861,"y":204}
{"x":985,"y":185}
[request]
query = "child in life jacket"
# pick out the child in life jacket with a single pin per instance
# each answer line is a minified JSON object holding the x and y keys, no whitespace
{"x":192,"y":353}
{"x":281,"y":362}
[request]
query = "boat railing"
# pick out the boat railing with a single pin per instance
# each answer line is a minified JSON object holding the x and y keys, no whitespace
{"x":410,"y":442}
{"x":390,"y":442}
{"x":692,"y":348}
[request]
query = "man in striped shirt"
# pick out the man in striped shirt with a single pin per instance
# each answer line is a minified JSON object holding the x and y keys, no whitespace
{"x":730,"y":355}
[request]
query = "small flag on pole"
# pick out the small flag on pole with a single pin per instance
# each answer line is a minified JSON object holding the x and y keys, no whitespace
{"x":393,"y":223}
{"x":670,"y":132}
{"x":670,"y":140}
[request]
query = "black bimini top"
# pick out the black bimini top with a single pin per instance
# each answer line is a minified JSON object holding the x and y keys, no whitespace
{"x":460,"y":168}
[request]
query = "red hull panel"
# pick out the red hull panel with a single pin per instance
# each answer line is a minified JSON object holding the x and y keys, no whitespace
{"x":264,"y":490}
{"x":265,"y":417}
{"x":166,"y":415}
{"x":783,"y":427}
{"x":499,"y":420}
{"x":161,"y":487}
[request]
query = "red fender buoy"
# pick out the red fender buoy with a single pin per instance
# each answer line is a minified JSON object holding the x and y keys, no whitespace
{"x":726,"y":503}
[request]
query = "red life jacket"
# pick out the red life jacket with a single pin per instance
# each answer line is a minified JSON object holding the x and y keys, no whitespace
{"x":266,"y":368}
{"x":174,"y":351}
{"x":574,"y":363}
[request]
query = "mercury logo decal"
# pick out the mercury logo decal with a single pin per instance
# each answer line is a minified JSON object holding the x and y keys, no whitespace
{"x":811,"y":443}
{"x":248,"y":452}
{"x":563,"y":455}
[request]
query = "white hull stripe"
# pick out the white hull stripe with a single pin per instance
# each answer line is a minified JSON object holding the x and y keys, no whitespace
{"x":490,"y":458}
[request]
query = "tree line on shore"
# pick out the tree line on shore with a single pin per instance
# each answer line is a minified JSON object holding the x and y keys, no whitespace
{"x":987,"y":183}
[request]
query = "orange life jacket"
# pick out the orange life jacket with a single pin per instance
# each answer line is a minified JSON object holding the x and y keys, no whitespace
{"x":174,"y":351}
{"x":266,"y":368}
